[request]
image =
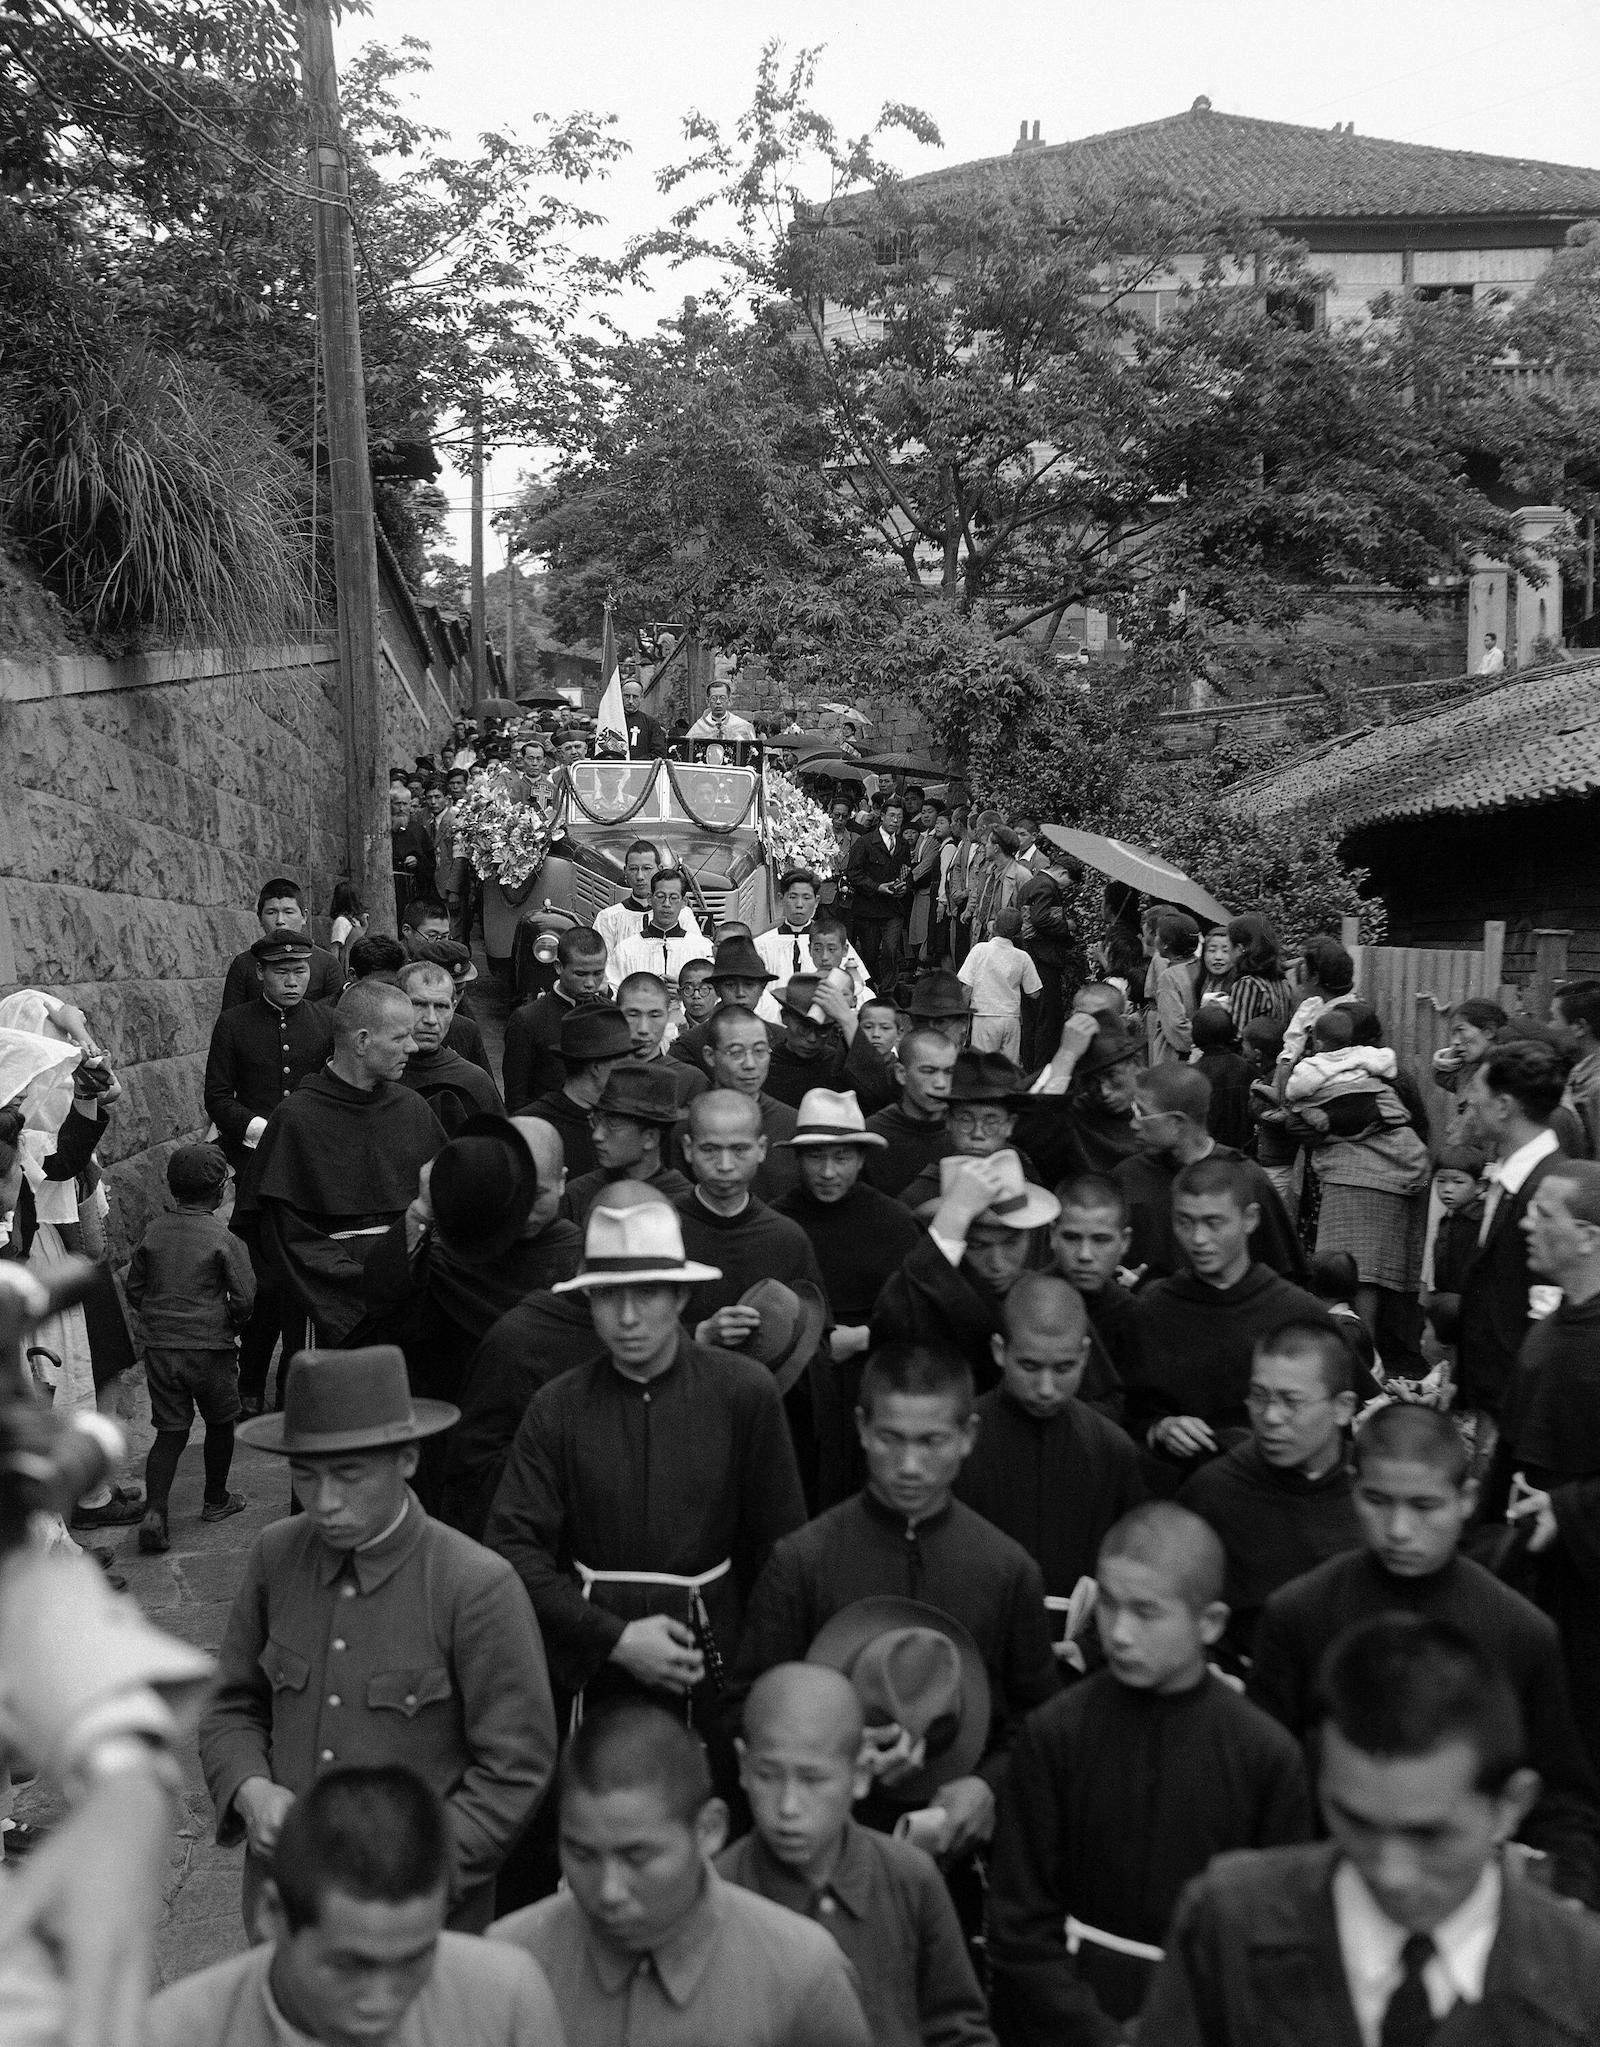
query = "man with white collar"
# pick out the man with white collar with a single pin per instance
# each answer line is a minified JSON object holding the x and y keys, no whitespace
{"x":786,"y":948}
{"x":664,"y":939}
{"x":717,"y":721}
{"x":617,"y":920}
{"x":1513,"y":1097}
{"x":1411,"y":1925}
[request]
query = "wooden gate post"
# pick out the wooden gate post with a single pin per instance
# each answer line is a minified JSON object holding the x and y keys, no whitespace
{"x":1549,"y":969}
{"x":1494,"y":958}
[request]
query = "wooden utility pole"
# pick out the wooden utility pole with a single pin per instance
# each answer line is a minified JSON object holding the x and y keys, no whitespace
{"x":511,"y":616}
{"x":480,"y":666}
{"x":355,"y":558}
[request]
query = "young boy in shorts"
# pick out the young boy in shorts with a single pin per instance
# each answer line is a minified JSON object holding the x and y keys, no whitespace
{"x":191,"y":1285}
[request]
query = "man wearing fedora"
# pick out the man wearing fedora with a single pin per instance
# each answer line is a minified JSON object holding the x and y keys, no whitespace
{"x":981,"y":1119}
{"x":860,"y":1236}
{"x":631,"y":1125}
{"x":260,"y":1052}
{"x":1078,"y":1113}
{"x":340,"y":1160}
{"x":824,"y":1046}
{"x":738,"y":976}
{"x":905,"y":1537}
{"x":593,"y":1040}
{"x":942,"y":1001}
{"x":981,"y":1239}
{"x":645,"y":1490}
{"x":451,"y":1085}
{"x":366,"y":1632}
{"x":483,"y":1232}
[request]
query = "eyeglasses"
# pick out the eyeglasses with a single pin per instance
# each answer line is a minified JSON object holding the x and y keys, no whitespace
{"x":1262,"y":1400}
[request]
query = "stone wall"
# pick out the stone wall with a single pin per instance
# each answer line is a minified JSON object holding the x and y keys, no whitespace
{"x":147,"y":800}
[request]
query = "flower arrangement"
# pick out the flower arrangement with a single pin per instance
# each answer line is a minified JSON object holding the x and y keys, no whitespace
{"x":505,"y":838}
{"x":799,"y":832}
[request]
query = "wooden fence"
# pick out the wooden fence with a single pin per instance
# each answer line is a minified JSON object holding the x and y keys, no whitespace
{"x":1414,"y":988}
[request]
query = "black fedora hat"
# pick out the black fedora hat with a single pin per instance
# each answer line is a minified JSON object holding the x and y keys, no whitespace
{"x":340,"y":1400}
{"x":483,"y":1187}
{"x":643,"y":1090}
{"x":737,"y":960}
{"x":1112,"y":1045}
{"x":941,"y":993}
{"x":596,"y":1030}
{"x":984,"y":1077}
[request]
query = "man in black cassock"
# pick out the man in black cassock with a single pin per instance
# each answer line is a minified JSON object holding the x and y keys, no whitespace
{"x":594,"y":1040}
{"x":340,"y":1161}
{"x":824,"y":1047}
{"x":482,"y":1233}
{"x":532,"y":1064}
{"x":452,"y":1086}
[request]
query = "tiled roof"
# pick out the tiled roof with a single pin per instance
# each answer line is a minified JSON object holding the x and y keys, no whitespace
{"x":1283,"y":173}
{"x":1532,"y":739}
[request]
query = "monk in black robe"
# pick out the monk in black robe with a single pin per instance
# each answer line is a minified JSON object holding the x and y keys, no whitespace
{"x":341,"y":1159}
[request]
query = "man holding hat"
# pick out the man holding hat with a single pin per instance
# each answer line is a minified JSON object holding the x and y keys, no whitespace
{"x":1078,"y":1114}
{"x":982,"y":1116}
{"x":280,"y":907}
{"x":594,"y":1038}
{"x":631,"y":1127}
{"x":860,"y":1237}
{"x":824,"y":1046}
{"x":980,"y":1241}
{"x":261,"y":1050}
{"x":340,"y":1160}
{"x":366,"y":1632}
{"x":645,"y":1490}
{"x":452,"y":1086}
{"x":483,"y":1232}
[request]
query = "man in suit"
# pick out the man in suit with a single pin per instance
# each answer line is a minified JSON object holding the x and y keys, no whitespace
{"x":647,"y":738}
{"x":260,"y":1052}
{"x":1513,"y":1096}
{"x":281,"y":906}
{"x":879,"y":876}
{"x":1410,"y":1924}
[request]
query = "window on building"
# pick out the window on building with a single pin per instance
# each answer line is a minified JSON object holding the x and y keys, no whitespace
{"x":1302,"y":309}
{"x":1437,"y":294}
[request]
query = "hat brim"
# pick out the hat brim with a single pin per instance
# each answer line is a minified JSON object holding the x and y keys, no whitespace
{"x":266,"y":1432}
{"x":808,"y":1332}
{"x":1039,"y":1206}
{"x":498,"y":1241}
{"x":687,"y":1274}
{"x":840,"y":1640}
{"x":816,"y":1140}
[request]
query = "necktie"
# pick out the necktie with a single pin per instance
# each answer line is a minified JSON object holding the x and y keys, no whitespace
{"x":1409,"y":2020}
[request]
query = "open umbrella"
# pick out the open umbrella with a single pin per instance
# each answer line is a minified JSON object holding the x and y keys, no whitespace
{"x":1138,"y":869}
{"x":804,"y":742}
{"x":846,"y":711}
{"x":499,"y":707}
{"x":906,"y":764}
{"x":841,"y":769}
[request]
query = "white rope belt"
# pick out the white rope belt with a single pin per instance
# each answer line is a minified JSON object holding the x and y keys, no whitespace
{"x":375,"y":1230}
{"x":667,"y":1578}
{"x":1115,"y":1943}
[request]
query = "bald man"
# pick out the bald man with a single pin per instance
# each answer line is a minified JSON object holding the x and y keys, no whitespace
{"x":727,"y":1224}
{"x":339,"y":1162}
{"x":1152,"y":1753}
{"x":883,"y":1901}
{"x":1049,"y":1470}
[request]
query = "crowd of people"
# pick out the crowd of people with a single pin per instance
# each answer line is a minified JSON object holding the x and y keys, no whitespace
{"x":924,"y":1474}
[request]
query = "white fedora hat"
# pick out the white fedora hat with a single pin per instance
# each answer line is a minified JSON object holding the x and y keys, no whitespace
{"x":637,"y":1246}
{"x":1019,"y":1205}
{"x":829,"y":1118}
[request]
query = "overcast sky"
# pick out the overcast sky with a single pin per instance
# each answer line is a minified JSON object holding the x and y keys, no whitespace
{"x":1468,"y":74}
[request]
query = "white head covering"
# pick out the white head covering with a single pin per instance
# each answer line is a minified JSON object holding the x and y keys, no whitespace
{"x":36,"y":1063}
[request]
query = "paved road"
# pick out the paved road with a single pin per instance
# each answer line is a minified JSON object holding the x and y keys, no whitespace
{"x":189,"y":1591}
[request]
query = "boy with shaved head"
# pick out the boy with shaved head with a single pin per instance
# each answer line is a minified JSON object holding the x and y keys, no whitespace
{"x":1051,"y":1472}
{"x":1414,"y":1497}
{"x":1121,"y":1790}
{"x":882,"y":1899}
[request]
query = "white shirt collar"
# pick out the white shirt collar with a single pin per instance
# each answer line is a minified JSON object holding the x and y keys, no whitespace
{"x":1512,"y":1171}
{"x":1370,"y":1946}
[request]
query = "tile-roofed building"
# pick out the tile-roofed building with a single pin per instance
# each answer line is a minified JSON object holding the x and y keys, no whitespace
{"x":1486,"y":808}
{"x":1529,"y":739}
{"x":1294,"y":177}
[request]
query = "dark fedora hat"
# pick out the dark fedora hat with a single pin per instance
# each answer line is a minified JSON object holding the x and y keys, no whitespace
{"x":1112,"y":1045}
{"x":913,"y":1664}
{"x":597,"y":1030}
{"x":941,"y":993}
{"x":737,"y":960}
{"x":792,"y":1320}
{"x":643,"y":1090}
{"x":483,"y":1187}
{"x":984,"y":1077}
{"x":341,"y":1400}
{"x":797,"y":995}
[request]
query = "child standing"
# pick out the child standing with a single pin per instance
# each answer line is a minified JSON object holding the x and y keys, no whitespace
{"x":1458,"y":1183}
{"x":882,"y":1899}
{"x":191,"y":1285}
{"x":999,"y":974}
{"x":1216,"y":1053}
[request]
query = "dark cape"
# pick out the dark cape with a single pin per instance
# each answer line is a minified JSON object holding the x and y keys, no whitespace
{"x":452,"y":1086}
{"x":582,"y":1194}
{"x":755,"y":1244}
{"x":911,"y":1145}
{"x":335,"y":1157}
{"x":1054,"y":1486}
{"x":570,"y":1121}
{"x":1147,"y":1184}
{"x":1114,"y":1801}
{"x":855,"y":1067}
{"x":1069,"y":1134}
